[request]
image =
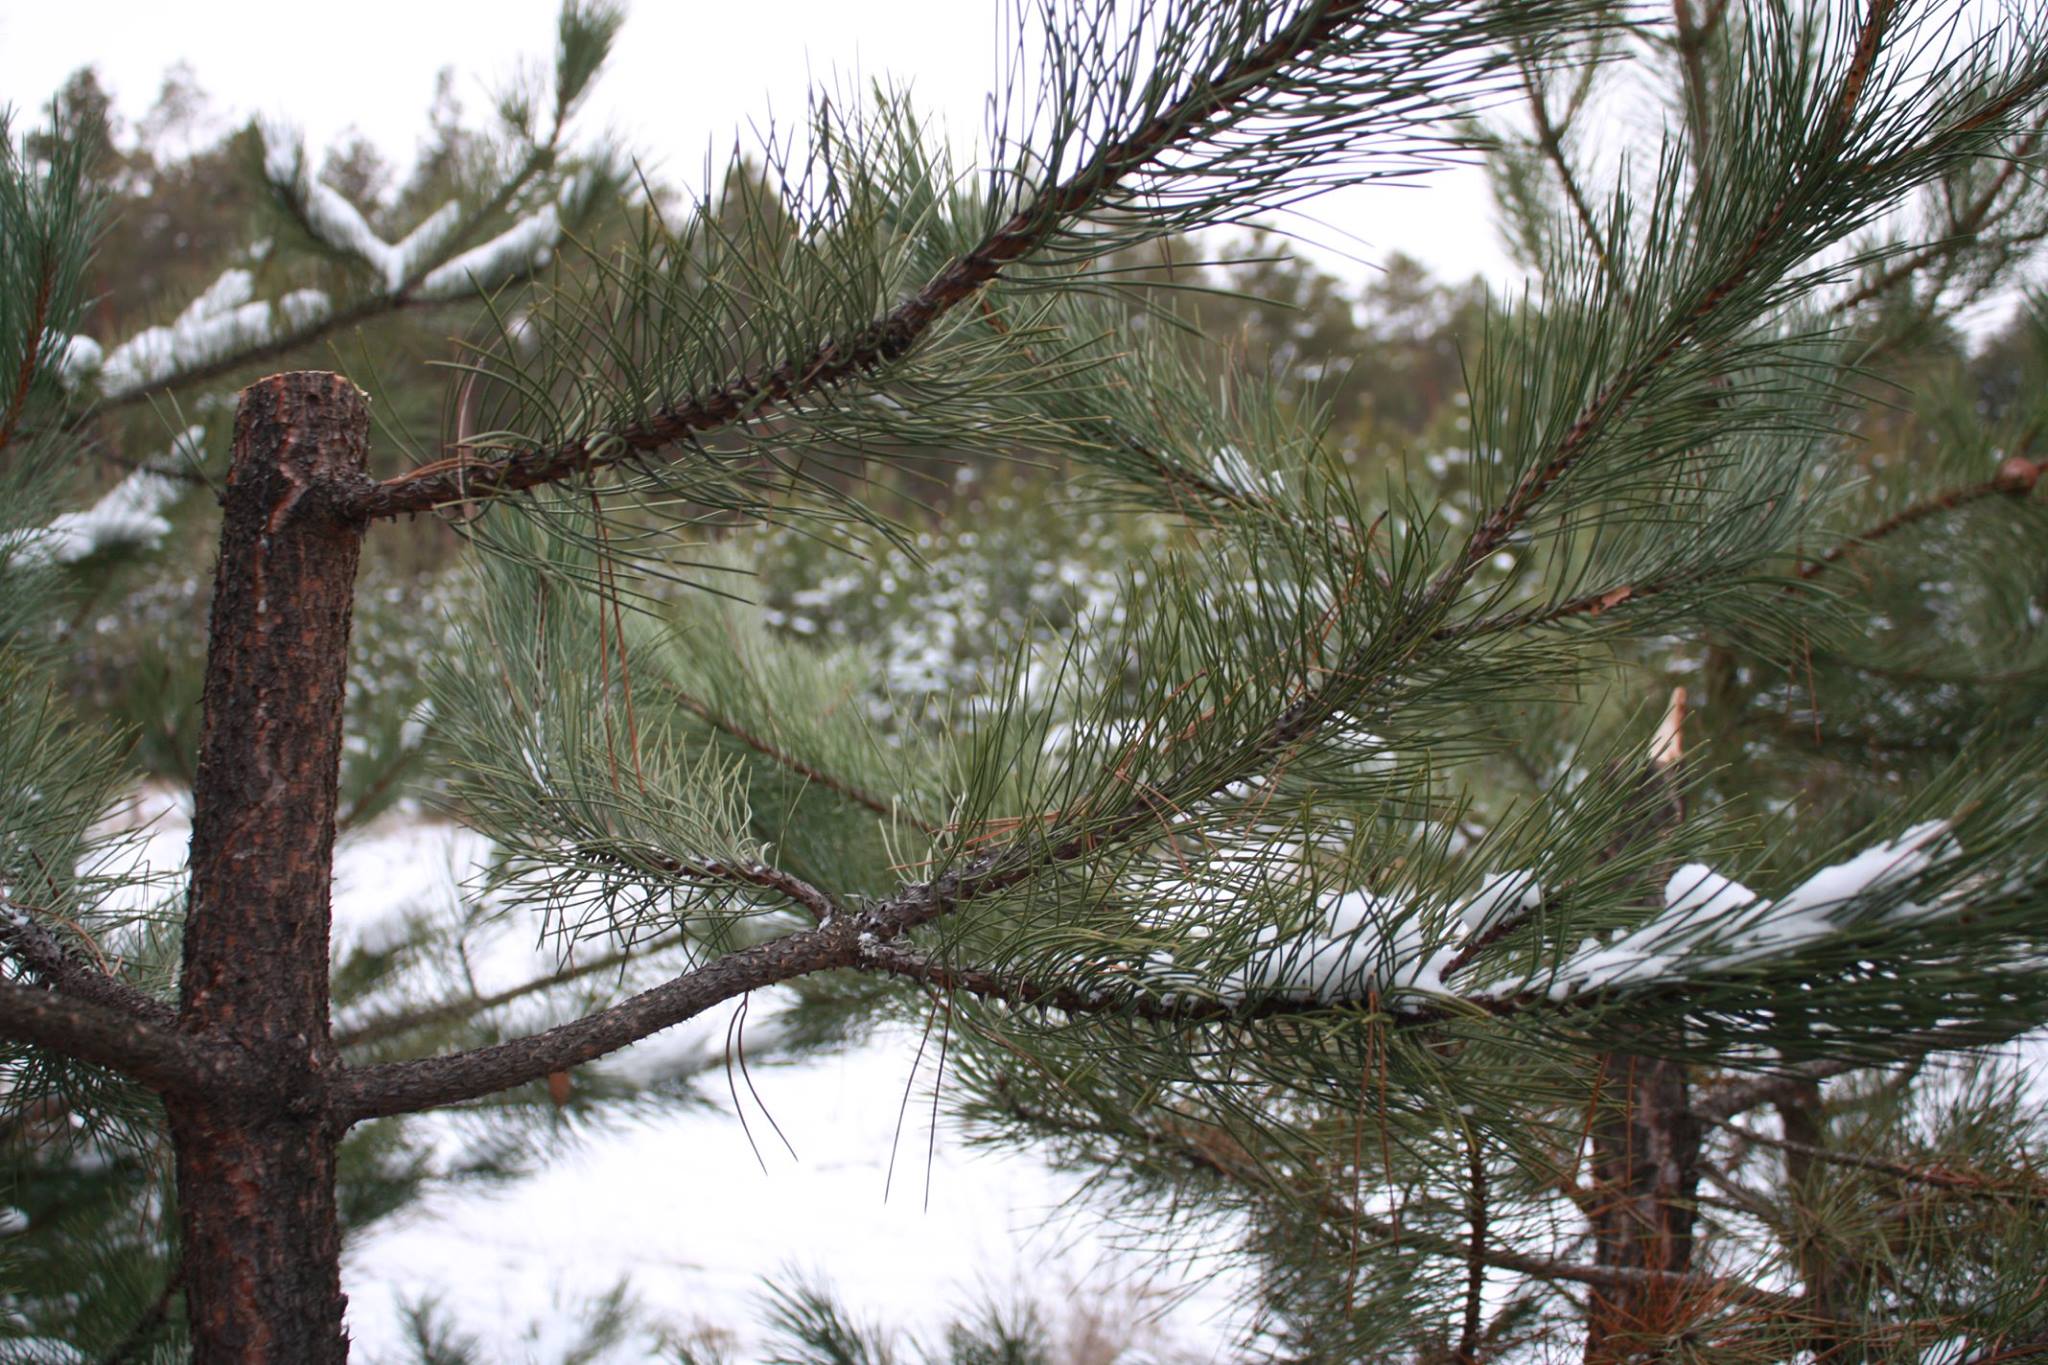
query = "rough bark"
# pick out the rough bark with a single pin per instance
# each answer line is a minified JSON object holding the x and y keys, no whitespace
{"x":255,"y":1170}
{"x":1646,"y":1149}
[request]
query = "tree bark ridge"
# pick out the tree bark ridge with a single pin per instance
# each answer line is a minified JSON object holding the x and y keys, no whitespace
{"x":256,"y":1201}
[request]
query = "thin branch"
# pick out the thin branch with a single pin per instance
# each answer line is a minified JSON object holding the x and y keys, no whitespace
{"x":1741,"y":1196}
{"x":2033,"y":1349}
{"x":2016,"y":477}
{"x":159,"y":1058}
{"x":1550,"y":138}
{"x":1021,"y":992}
{"x":1693,"y":37}
{"x":1475,"y":1262}
{"x":1585,"y":604}
{"x":408,"y":1087}
{"x":1342,"y":1216}
{"x":1728,"y":1098}
{"x":131,"y":1346}
{"x":363,"y":310}
{"x":819,"y":903}
{"x":1506,"y":518}
{"x":382,"y":1028}
{"x":1963,"y":228}
{"x":1971,"y":1183}
{"x":38,"y":320}
{"x":1010,"y":866}
{"x":57,"y":967}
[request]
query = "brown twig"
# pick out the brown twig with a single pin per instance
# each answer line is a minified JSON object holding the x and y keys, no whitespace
{"x":408,"y":1087}
{"x":1551,"y":140}
{"x":31,"y":353}
{"x":1963,"y":228}
{"x":2016,"y":477}
{"x":1973,"y":1183}
{"x":388,"y":1026}
{"x":1475,"y":1262}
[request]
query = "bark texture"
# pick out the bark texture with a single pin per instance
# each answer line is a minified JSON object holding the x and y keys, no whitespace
{"x":1646,"y":1149}
{"x":260,"y":1243}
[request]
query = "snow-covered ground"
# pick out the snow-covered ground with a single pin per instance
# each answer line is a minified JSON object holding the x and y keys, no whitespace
{"x":679,"y":1205}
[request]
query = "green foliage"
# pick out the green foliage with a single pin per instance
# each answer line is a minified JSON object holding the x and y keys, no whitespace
{"x":874,"y":538}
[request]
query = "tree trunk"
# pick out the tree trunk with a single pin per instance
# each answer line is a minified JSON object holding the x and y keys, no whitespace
{"x":1646,"y":1139}
{"x":1821,"y":1273}
{"x":260,"y":1248}
{"x":1646,"y":1151}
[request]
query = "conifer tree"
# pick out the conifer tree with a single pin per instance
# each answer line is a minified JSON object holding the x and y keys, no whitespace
{"x":1442,"y":876}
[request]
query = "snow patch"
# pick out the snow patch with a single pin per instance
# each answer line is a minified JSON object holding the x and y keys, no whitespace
{"x":1711,"y":924}
{"x":131,"y":514}
{"x":524,"y":246}
{"x":221,"y":321}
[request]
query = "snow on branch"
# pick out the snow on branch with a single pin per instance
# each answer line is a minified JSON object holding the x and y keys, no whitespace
{"x":524,"y":246}
{"x":131,"y":515}
{"x":225,"y":318}
{"x":1363,"y":944}
{"x":339,"y":224}
{"x":81,"y":360}
{"x":1711,"y":924}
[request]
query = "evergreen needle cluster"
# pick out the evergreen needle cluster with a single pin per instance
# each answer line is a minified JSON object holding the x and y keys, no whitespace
{"x":1517,"y":911}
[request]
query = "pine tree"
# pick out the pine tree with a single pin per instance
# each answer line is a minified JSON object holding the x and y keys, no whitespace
{"x":1361,"y":866}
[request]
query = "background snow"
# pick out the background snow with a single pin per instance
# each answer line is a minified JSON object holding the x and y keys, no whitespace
{"x":679,"y":1203}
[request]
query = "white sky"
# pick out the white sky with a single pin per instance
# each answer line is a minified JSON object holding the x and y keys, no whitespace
{"x":686,"y":75}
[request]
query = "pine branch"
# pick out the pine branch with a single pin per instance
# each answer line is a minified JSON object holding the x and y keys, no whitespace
{"x":1550,"y":138}
{"x":1972,"y":1183}
{"x":1475,"y":1261}
{"x":1023,"y":992}
{"x":1223,"y":1157}
{"x":1589,"y":604}
{"x":2015,"y":478}
{"x":408,"y":1087}
{"x":1740,"y":1196}
{"x":1964,"y":229}
{"x":155,"y":1056}
{"x":783,"y":758}
{"x":402,"y":298}
{"x":2033,"y":1349}
{"x":132,"y":1346}
{"x":38,"y":324}
{"x":1006,"y":868}
{"x":57,"y":967}
{"x":386,"y":1027}
{"x":1729,"y":1098}
{"x":893,"y":335}
{"x":1693,"y":37}
{"x":1505,"y":519}
{"x":363,"y":311}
